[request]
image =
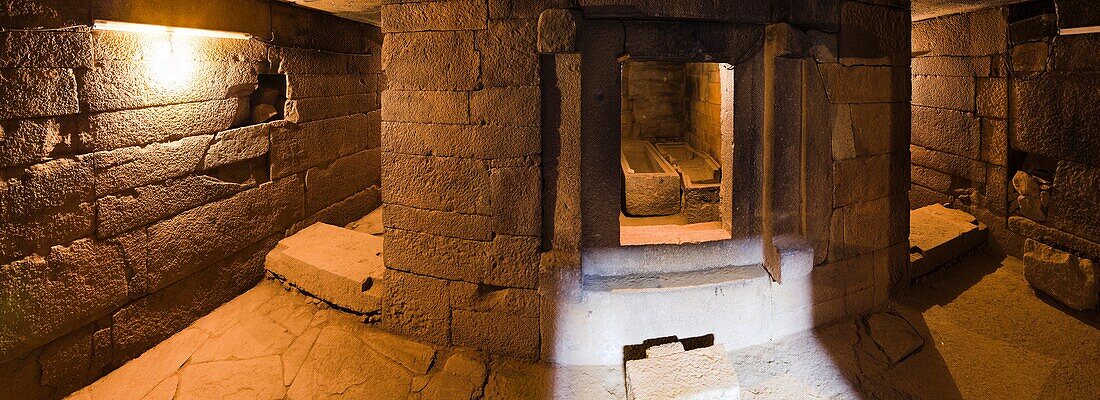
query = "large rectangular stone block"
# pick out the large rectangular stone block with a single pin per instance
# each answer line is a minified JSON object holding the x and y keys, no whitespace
{"x":295,"y":26}
{"x":327,"y":85}
{"x":949,"y":131}
{"x":56,"y":49}
{"x":236,"y":145}
{"x":963,"y":167}
{"x":45,"y":187}
{"x":515,"y":262}
{"x":497,"y":333}
{"x":880,"y":128}
{"x":27,"y":141}
{"x":201,"y":236}
{"x":328,"y":184}
{"x":296,"y":147}
{"x":973,"y":34}
{"x":45,"y":13}
{"x":443,"y":60}
{"x":864,"y":227}
{"x":511,"y":106}
{"x":118,"y":170}
{"x":436,"y":183}
{"x":1076,"y":52}
{"x":952,"y":66}
{"x":516,"y":200}
{"x":129,"y":46}
{"x":471,"y":141}
{"x":951,"y":92}
{"x":437,"y":256}
{"x":457,"y":225}
{"x":869,"y":178}
{"x":1068,"y":278}
{"x":992,"y":97}
{"x":865,"y":84}
{"x":20,"y":237}
{"x":112,"y":130}
{"x":345,"y":211}
{"x":120,"y":85}
{"x":146,"y":204}
{"x":1052,"y":113}
{"x":315,"y":108}
{"x":508,"y":53}
{"x":1075,"y":206}
{"x":872,"y":34}
{"x":416,"y":306}
{"x":436,"y":107}
{"x":994,"y":146}
{"x":448,"y":15}
{"x":30,"y":93}
{"x":152,"y":319}
{"x":47,"y":297}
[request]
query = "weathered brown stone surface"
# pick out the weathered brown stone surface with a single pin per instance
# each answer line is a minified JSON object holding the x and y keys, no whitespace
{"x":52,"y":295}
{"x":415,"y":53}
{"x":439,"y":107}
{"x":119,"y":85}
{"x":132,"y":167}
{"x":468,"y":141}
{"x":235,"y":145}
{"x":51,"y":49}
{"x":449,"y":15}
{"x":865,"y":84}
{"x":1048,"y":113}
{"x":974,"y":34}
{"x":436,"y":183}
{"x":482,"y":330}
{"x":344,"y":177}
{"x":296,"y":147}
{"x":326,"y":85}
{"x":946,"y":92}
{"x":516,"y":201}
{"x":950,"y":131}
{"x":27,"y":141}
{"x":1068,"y":278}
{"x":30,"y":93}
{"x":112,"y":130}
{"x":417,"y":307}
{"x":458,"y":225}
{"x":871,"y":34}
{"x":508,"y":53}
{"x":315,"y":108}
{"x":557,"y":30}
{"x":1074,"y":207}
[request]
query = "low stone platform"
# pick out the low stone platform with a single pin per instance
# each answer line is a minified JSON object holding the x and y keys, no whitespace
{"x":340,"y":266}
{"x":670,"y":372}
{"x":938,"y":234}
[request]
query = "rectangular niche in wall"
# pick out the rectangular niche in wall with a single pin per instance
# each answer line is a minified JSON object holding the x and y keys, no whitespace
{"x":676,"y":125}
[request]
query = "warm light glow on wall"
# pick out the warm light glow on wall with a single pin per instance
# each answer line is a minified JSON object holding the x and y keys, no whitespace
{"x":169,"y":62}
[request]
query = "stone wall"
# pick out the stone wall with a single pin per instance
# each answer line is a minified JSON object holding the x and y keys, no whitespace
{"x":493,"y":153}
{"x":137,"y":195}
{"x":655,"y":104}
{"x":1000,"y":122}
{"x":704,"y":83}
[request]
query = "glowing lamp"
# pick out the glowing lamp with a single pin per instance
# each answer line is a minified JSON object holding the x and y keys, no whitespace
{"x":169,"y":62}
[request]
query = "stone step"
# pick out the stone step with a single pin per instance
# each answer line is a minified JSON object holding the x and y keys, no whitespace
{"x":340,"y":266}
{"x":670,"y":372}
{"x":938,"y":234}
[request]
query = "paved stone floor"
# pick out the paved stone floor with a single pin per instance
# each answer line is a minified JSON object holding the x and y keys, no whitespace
{"x":973,"y":331}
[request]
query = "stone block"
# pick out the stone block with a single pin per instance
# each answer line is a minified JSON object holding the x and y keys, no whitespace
{"x":437,"y":256}
{"x":699,"y":373}
{"x":865,"y":84}
{"x":345,"y":211}
{"x":448,"y":15}
{"x":416,"y":306}
{"x":442,"y":60}
{"x":1076,"y":53}
{"x":297,"y":147}
{"x":27,"y":141}
{"x":1050,"y":112}
{"x":1074,"y":205}
{"x":868,"y":178}
{"x":952,"y":66}
{"x":457,"y":225}
{"x":46,"y":14}
{"x":468,"y":141}
{"x":516,"y":200}
{"x":50,"y":49}
{"x":508,"y":54}
{"x":120,"y":85}
{"x":131,"y":167}
{"x":871,"y":34}
{"x":992,"y":97}
{"x":154,"y":318}
{"x":938,"y":235}
{"x":316,"y":108}
{"x":337,"y":265}
{"x":920,"y":196}
{"x":236,"y":145}
{"x":436,"y":183}
{"x":47,"y":297}
{"x":147,"y":204}
{"x":963,"y":167}
{"x":979,"y":33}
{"x":950,"y":92}
{"x":128,"y":46}
{"x":557,"y":31}
{"x":295,"y":26}
{"x":932,"y":179}
{"x":30,"y":93}
{"x":329,"y":85}
{"x":1031,"y":57}
{"x":187,"y":242}
{"x":69,"y":363}
{"x":328,"y":184}
{"x":497,"y":333}
{"x":308,"y":61}
{"x":994,"y":146}
{"x":46,"y":187}
{"x":20,"y":237}
{"x":515,"y":262}
{"x":510,"y":106}
{"x":949,"y":131}
{"x":875,"y":128}
{"x":112,"y":130}
{"x":426,"y":107}
{"x":492,"y":299}
{"x":864,"y":227}
{"x":1069,"y":279}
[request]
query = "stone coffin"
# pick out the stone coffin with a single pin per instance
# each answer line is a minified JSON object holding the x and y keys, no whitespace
{"x":702,"y":181}
{"x":651,"y":185}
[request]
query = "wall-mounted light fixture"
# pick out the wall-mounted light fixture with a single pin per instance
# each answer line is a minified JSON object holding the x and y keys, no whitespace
{"x":169,"y":61}
{"x":145,"y":28}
